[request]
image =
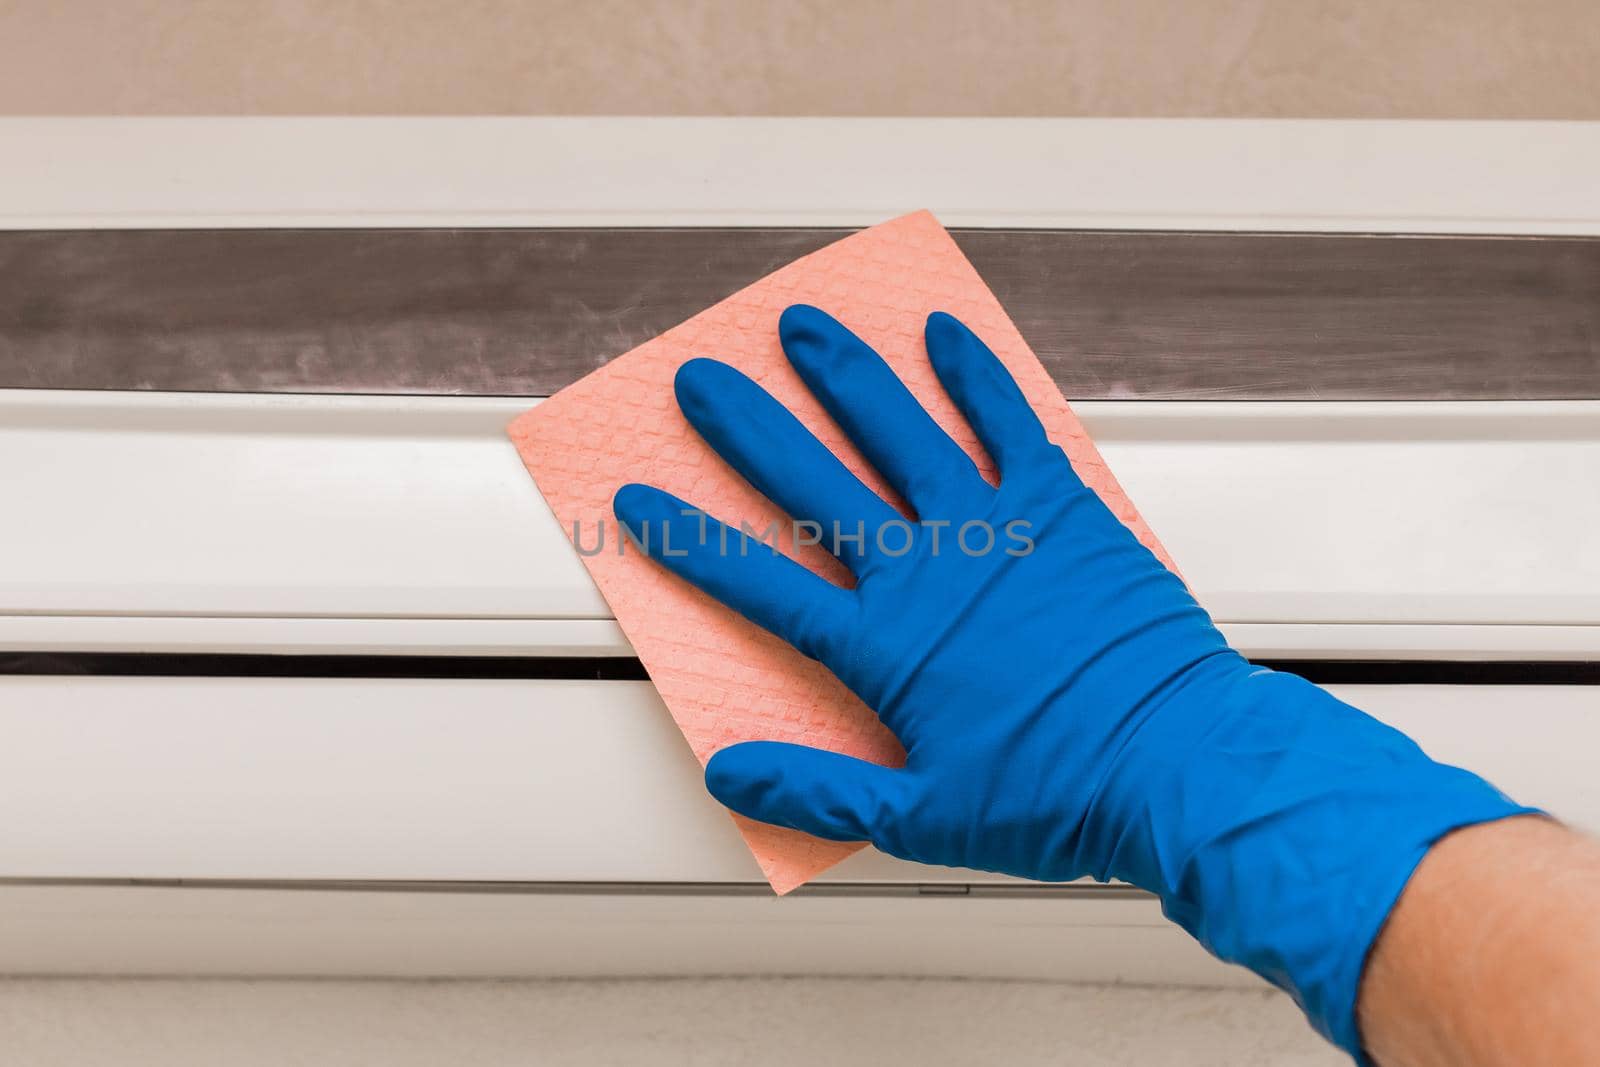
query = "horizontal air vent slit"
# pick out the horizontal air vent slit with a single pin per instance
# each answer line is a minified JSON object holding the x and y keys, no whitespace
{"x":623,"y":669}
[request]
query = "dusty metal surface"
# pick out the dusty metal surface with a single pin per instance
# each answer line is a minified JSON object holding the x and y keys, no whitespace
{"x":524,"y":312}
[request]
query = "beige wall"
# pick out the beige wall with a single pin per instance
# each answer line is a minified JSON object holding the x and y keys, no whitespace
{"x":1372,"y":58}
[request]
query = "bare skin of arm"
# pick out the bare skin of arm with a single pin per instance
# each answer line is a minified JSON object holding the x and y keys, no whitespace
{"x":1491,"y":957}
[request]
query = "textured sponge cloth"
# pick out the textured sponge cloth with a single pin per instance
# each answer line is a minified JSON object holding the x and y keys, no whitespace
{"x":723,"y":679}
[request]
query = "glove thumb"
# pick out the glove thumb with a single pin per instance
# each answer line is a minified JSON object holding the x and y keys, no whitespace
{"x":822,"y":793}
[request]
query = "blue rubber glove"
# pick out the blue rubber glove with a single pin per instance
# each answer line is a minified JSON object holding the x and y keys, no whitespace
{"x":1067,"y":709}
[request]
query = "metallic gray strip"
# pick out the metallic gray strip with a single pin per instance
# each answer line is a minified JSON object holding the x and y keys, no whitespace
{"x":524,"y":312}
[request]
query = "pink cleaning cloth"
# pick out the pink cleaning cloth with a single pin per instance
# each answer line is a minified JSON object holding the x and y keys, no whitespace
{"x":723,"y":679}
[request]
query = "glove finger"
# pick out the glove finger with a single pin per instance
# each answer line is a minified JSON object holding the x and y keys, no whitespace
{"x":821,"y":793}
{"x":985,"y":392}
{"x":760,"y":439}
{"x":914,"y":455}
{"x":746,"y":574}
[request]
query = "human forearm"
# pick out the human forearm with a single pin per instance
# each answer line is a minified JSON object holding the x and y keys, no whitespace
{"x":1491,"y":957}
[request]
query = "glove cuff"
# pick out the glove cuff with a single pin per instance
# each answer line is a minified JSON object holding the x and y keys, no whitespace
{"x":1289,"y":825}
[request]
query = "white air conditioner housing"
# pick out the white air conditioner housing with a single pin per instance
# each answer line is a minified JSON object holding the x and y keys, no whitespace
{"x":304,"y":824}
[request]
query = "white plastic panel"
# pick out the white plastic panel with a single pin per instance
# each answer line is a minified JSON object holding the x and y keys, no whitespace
{"x":408,"y":524}
{"x":1419,"y":177}
{"x":1386,"y":512}
{"x":190,"y":504}
{"x":125,"y":930}
{"x":212,"y":778}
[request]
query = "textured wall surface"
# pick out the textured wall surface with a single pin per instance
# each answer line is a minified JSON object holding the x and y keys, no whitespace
{"x":704,"y":1023}
{"x":1301,"y":58}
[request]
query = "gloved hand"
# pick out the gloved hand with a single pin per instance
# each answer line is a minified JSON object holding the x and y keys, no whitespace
{"x":1066,"y":707}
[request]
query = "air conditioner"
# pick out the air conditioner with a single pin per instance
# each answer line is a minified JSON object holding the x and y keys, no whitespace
{"x":298,"y":675}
